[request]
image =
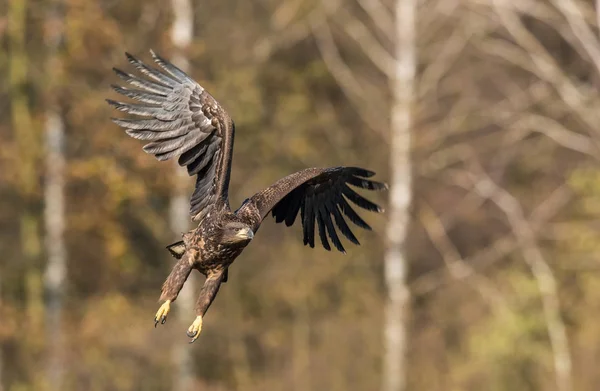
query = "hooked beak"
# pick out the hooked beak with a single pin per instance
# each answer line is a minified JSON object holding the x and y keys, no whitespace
{"x":245,"y":234}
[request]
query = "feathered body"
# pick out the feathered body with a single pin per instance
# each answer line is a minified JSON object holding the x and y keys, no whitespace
{"x":180,"y":119}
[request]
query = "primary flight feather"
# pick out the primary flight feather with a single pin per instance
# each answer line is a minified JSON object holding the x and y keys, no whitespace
{"x":177,"y":118}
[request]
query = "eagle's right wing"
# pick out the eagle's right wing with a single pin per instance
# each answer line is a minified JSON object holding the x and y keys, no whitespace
{"x":180,"y":119}
{"x":321,"y":195}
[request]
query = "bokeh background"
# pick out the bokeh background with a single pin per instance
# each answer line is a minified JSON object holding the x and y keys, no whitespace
{"x":484,"y":113}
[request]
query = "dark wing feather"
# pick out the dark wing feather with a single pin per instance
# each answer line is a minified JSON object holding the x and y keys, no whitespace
{"x":322,"y":234}
{"x":308,"y":221}
{"x":321,"y":196}
{"x":341,"y":223}
{"x":180,"y":119}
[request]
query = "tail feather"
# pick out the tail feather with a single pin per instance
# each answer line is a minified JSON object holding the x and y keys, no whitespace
{"x":177,"y":249}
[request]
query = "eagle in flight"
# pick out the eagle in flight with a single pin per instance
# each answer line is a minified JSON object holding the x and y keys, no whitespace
{"x":180,"y":119}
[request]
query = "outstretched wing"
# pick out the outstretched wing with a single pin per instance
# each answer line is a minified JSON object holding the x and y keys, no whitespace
{"x":320,"y":195}
{"x":180,"y":119}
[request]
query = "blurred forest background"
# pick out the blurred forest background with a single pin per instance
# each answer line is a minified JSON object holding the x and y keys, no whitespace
{"x":486,"y":113}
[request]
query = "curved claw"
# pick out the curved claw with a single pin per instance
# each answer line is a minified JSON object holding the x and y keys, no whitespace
{"x":161,"y":314}
{"x":194,"y":330}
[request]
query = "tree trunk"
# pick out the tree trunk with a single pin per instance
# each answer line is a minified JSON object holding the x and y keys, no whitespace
{"x":398,"y":295}
{"x":56,"y":268}
{"x":54,"y":204}
{"x":181,"y":36}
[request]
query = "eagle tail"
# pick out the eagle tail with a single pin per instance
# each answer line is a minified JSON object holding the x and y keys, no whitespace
{"x":177,"y":249}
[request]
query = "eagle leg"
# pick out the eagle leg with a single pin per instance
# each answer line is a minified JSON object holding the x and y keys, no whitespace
{"x":171,"y":287}
{"x":205,"y":299}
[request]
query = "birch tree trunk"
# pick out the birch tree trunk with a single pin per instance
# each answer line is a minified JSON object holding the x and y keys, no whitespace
{"x":54,"y":204}
{"x":398,"y":296}
{"x":55,"y":274}
{"x":181,"y":36}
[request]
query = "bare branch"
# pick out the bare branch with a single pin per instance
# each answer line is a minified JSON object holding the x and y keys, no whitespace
{"x":581,"y":29}
{"x":431,"y":21}
{"x":380,"y":15}
{"x":508,"y":52}
{"x":281,"y":40}
{"x":455,"y":264}
{"x":545,"y":66}
{"x":444,"y":60}
{"x":369,"y":45}
{"x":285,"y":13}
{"x":490,"y":255}
{"x":500,"y":114}
{"x":344,"y":76}
{"x":557,"y":132}
{"x":331,"y":56}
{"x":598,"y":13}
{"x":543,"y":12}
{"x":550,"y":206}
{"x":501,"y":248}
{"x":542,"y":272}
{"x":285,"y":33}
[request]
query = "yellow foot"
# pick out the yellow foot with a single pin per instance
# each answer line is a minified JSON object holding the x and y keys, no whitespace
{"x":194,"y":331}
{"x":161,"y":314}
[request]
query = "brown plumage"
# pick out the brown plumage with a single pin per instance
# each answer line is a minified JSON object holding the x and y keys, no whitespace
{"x":180,"y":119}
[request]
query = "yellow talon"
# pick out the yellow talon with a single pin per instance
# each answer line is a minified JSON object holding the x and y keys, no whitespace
{"x":161,"y":314}
{"x":194,"y":330}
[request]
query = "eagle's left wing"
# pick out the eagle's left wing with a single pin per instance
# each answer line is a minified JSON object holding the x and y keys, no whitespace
{"x":319,"y":194}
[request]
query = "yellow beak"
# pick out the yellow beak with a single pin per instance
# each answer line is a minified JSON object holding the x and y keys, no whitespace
{"x":245,"y":234}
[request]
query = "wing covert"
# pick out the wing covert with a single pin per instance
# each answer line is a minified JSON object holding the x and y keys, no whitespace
{"x":179,"y":118}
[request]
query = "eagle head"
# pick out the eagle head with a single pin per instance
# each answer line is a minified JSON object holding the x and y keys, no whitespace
{"x":237,"y":233}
